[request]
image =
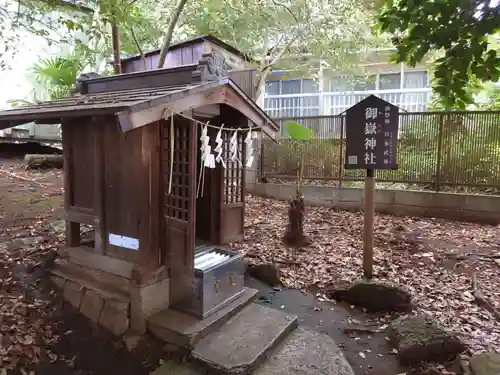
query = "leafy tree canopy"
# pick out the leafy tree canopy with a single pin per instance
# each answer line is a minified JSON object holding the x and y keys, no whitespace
{"x":460,"y":31}
{"x":291,"y":34}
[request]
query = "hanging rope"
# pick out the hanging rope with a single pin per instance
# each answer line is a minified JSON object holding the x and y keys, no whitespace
{"x":214,"y":126}
{"x":172,"y":143}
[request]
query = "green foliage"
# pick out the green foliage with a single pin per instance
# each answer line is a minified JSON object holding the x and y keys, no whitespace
{"x":54,"y":77}
{"x":452,"y":148}
{"x":298,"y":132}
{"x":292,"y":35}
{"x":57,"y":74}
{"x":457,"y":29}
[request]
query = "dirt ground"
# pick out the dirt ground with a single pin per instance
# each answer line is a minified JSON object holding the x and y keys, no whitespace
{"x":39,"y":334}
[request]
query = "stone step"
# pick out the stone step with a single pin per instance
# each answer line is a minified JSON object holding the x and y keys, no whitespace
{"x":241,"y":345}
{"x":184,"y":330}
{"x":305,"y":352}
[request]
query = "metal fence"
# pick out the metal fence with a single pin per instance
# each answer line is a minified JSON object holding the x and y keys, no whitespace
{"x":333,"y":103}
{"x":435,"y":150}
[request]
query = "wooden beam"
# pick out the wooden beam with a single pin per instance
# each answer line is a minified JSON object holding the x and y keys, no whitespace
{"x":100,"y":234}
{"x":68,"y":165}
{"x":181,"y":75}
{"x":79,"y":215}
{"x":233,"y":99}
{"x":129,"y":121}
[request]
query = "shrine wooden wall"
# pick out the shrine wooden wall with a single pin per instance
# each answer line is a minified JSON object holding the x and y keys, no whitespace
{"x":112,"y":183}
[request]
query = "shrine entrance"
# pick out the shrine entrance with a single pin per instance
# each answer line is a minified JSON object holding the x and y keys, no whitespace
{"x":207,"y":210}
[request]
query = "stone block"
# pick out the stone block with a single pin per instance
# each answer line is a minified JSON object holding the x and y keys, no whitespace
{"x":114,"y":316}
{"x":132,"y":339}
{"x":59,"y":282}
{"x":307,"y":353}
{"x":251,"y":336}
{"x":73,"y":293}
{"x":91,"y":305}
{"x":344,"y":195}
{"x":147,"y":300}
{"x":485,"y":364}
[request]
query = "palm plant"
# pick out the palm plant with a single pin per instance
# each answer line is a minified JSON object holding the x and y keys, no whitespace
{"x":55,"y":78}
{"x":57,"y":75}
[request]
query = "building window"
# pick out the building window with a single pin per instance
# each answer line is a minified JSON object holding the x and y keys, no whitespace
{"x":365,"y":83}
{"x":345,"y":83}
{"x":390,"y":81}
{"x":415,"y":80}
{"x":304,"y":100}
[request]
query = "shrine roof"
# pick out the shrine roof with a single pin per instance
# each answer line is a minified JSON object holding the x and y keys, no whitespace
{"x":130,"y":106}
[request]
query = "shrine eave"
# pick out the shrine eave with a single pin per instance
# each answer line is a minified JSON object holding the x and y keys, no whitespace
{"x":139,"y":107}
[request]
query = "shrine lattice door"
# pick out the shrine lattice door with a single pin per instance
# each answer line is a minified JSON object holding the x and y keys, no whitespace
{"x":179,"y":205}
{"x":233,"y":194}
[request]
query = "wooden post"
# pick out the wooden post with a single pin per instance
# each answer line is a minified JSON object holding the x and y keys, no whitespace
{"x":369,"y":207}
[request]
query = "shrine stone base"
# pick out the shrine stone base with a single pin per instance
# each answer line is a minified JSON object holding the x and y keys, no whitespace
{"x":114,"y":302}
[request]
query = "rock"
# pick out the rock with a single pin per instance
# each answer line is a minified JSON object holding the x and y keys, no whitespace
{"x":485,"y":364}
{"x":373,"y":296}
{"x":73,"y":293}
{"x":131,"y":339}
{"x":427,"y":370}
{"x":114,"y":316}
{"x":60,"y":282}
{"x":267,"y":273}
{"x":91,"y":305}
{"x":58,"y":226}
{"x":418,"y":340}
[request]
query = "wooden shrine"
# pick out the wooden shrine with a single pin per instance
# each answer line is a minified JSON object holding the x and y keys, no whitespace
{"x":133,"y":208}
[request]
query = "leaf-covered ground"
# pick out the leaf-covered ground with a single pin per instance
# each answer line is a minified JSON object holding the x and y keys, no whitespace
{"x":434,"y":258}
{"x":38,"y":335}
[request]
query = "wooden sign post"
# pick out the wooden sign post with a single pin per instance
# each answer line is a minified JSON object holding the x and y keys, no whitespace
{"x":371,"y":143}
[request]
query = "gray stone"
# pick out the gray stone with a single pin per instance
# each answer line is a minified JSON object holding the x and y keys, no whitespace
{"x":114,"y":316}
{"x":73,"y":293}
{"x":91,"y":305}
{"x":172,"y":349}
{"x":485,"y":364}
{"x":419,"y":339}
{"x":176,"y":368}
{"x":58,"y":226}
{"x":267,"y":273}
{"x":374,"y":296}
{"x":59,"y":282}
{"x":244,"y":341}
{"x":185,"y":330}
{"x":132,"y":339}
{"x":306,"y":352}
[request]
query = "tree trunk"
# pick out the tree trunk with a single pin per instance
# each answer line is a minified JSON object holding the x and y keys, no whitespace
{"x":294,"y":234}
{"x":115,"y":39}
{"x":170,"y":32}
{"x":36,"y":161}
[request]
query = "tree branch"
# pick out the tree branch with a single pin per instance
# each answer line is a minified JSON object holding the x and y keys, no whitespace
{"x":286,"y":8}
{"x":281,"y":52}
{"x":170,"y":31}
{"x":132,"y":32}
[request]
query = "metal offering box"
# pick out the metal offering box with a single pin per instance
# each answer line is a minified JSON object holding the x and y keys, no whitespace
{"x":218,"y":280}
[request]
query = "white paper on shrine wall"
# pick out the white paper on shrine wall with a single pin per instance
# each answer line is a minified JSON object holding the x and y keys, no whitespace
{"x":123,"y":241}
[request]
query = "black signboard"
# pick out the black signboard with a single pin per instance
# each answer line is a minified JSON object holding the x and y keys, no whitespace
{"x":372,"y":134}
